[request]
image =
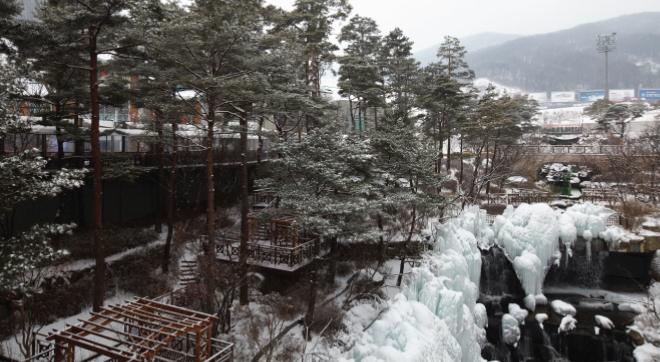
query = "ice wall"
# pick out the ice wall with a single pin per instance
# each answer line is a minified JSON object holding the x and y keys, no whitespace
{"x":529,"y":235}
{"x":433,"y":318}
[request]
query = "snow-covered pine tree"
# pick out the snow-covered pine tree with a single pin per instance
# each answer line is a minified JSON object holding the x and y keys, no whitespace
{"x":22,"y":178}
{"x":359,"y":77}
{"x":326,"y":180}
{"x":408,"y":187}
{"x":91,"y":29}
{"x":450,"y":68}
{"x":216,"y":48}
{"x":617,"y":116}
{"x":401,"y":74}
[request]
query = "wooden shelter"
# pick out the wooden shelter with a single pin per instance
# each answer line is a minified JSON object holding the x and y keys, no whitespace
{"x":280,"y":231}
{"x":143,"y":330}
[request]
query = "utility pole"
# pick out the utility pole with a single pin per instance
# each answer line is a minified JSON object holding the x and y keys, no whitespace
{"x":606,"y":43}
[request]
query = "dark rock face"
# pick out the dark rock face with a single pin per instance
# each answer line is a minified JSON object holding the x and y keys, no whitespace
{"x":499,"y":286}
{"x":497,"y":275}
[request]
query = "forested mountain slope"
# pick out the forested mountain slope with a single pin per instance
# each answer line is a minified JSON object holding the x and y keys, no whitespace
{"x":567,"y":59}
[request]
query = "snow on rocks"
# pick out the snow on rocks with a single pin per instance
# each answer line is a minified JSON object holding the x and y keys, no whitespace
{"x":647,"y":353}
{"x":436,"y":316}
{"x":530,"y":302}
{"x":541,"y":299}
{"x":480,"y":315}
{"x":540,"y":318}
{"x":562,"y":308}
{"x":510,"y":330}
{"x":604,"y":322}
{"x":568,"y":323}
{"x":615,"y":235}
{"x":632,"y":307}
{"x":518,"y":313}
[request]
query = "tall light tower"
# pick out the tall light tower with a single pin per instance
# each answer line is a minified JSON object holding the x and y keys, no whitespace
{"x":606,"y":44}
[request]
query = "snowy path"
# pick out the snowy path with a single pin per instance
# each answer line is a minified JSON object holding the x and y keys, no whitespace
{"x":83,"y":264}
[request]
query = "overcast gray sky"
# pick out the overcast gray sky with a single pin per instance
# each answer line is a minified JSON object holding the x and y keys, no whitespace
{"x":426,"y":22}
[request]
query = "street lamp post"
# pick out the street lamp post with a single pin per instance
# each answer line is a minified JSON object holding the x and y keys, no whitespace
{"x":606,"y":43}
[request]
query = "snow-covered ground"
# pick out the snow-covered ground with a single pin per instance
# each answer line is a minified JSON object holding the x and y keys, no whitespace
{"x":10,"y":347}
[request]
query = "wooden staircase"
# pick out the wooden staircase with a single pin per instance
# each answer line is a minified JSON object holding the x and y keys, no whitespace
{"x":188,"y":272}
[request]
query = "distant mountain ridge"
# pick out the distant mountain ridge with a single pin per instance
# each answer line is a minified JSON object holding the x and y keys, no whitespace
{"x":471,"y":43}
{"x":567,"y":59}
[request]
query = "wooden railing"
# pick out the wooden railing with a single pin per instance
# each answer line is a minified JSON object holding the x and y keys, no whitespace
{"x":42,"y":350}
{"x":575,"y":150}
{"x":221,"y":351}
{"x":519,"y":198}
{"x":264,"y":198}
{"x":275,"y":255}
{"x":149,"y":159}
{"x":177,"y":297}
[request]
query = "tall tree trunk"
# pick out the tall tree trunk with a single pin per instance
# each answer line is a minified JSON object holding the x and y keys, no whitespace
{"x":58,"y":135}
{"x":382,"y":248}
{"x":260,"y":149}
{"x":170,"y":201}
{"x":79,"y":152}
{"x":311,"y":301}
{"x":99,"y":252}
{"x":61,"y":198}
{"x":158,"y":226}
{"x":448,"y":149}
{"x":407,"y":246}
{"x":460,"y":180}
{"x":492,"y":166}
{"x":210,"y":209}
{"x":350,"y":111}
{"x":243,"y":297}
{"x":440,"y":147}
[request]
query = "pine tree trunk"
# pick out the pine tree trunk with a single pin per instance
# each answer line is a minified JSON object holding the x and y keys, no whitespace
{"x":210,"y":210}
{"x":243,"y":297}
{"x":99,"y":278}
{"x":448,"y":149}
{"x":440,"y":147}
{"x":311,"y":301}
{"x":158,"y":227}
{"x":460,"y":181}
{"x":350,"y":111}
{"x":382,"y":248}
{"x":261,"y":147}
{"x":405,"y":251}
{"x":61,"y":198}
{"x":170,"y":201}
{"x":492,"y":165}
{"x":331,"y":262}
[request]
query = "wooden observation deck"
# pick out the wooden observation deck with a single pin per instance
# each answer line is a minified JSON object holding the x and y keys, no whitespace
{"x":275,"y":244}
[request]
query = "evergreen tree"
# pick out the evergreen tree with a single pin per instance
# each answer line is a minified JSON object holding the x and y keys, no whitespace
{"x":494,"y":129}
{"x":90,"y":29}
{"x":359,"y":77}
{"x":450,"y":68}
{"x":22,"y":178}
{"x":216,"y":48}
{"x":617,"y":116}
{"x":313,"y":20}
{"x":598,"y":108}
{"x":408,"y":184}
{"x":401,"y":73}
{"x":325,"y":180}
